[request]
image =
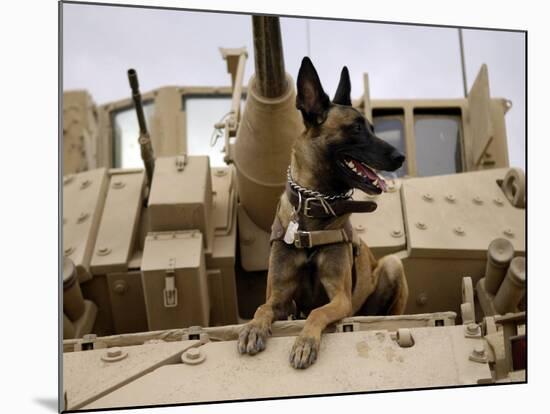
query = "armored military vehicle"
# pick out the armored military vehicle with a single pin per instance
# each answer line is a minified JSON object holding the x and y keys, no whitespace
{"x":165,"y":256}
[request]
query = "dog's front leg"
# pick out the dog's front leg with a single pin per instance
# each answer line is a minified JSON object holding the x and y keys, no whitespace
{"x":281,"y":285}
{"x":334,"y":266}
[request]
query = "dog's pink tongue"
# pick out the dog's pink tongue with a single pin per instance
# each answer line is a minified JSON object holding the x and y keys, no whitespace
{"x":366,"y":171}
{"x":370,"y":174}
{"x":373,"y":176}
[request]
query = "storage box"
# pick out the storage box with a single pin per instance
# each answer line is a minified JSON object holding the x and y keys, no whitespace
{"x":181,"y":195}
{"x":174,"y":280}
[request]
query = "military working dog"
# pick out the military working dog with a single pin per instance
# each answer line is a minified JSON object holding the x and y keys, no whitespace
{"x":317,"y":266}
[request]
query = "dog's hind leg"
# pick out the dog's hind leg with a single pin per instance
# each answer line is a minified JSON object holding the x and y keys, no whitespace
{"x":391,"y":293}
{"x":281,"y":285}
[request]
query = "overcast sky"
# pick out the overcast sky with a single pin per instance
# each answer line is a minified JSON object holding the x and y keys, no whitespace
{"x":170,"y":47}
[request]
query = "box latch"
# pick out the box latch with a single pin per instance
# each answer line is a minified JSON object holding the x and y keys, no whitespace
{"x":170,"y":292}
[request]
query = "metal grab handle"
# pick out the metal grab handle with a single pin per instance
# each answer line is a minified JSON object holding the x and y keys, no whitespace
{"x":170,"y":292}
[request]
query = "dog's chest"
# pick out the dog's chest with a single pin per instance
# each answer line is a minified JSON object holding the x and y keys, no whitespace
{"x":310,"y":293}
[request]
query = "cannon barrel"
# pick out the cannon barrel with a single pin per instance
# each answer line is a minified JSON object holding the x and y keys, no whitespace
{"x":269,"y":125}
{"x":147,"y":154}
{"x":271,"y":80}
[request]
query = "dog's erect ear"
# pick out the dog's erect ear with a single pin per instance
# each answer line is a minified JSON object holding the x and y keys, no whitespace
{"x":343,"y":92}
{"x":311,"y":100}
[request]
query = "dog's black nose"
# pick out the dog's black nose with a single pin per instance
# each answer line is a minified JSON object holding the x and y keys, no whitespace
{"x":397,"y":158}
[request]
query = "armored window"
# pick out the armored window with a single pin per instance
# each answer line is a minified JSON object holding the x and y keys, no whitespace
{"x":202,"y":113}
{"x":388,"y":125}
{"x":438,"y":142}
{"x":126,"y":150}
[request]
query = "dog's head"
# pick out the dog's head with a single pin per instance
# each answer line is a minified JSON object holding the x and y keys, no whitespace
{"x":341,"y":136}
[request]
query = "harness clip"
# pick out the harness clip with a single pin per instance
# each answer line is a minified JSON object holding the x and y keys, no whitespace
{"x":302,"y":240}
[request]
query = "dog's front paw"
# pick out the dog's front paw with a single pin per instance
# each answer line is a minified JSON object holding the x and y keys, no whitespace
{"x":304,"y":352}
{"x":252,"y":339}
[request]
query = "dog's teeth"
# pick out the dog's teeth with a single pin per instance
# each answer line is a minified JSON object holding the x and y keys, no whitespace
{"x":375,"y":182}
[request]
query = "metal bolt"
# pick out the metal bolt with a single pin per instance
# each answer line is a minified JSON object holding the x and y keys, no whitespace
{"x":117,"y":185}
{"x":360,"y":228}
{"x":508,"y":232}
{"x":68,"y":179}
{"x":427,"y":197}
{"x":498,"y":201}
{"x":450,"y":198}
{"x":459,"y":230}
{"x":396,"y":233}
{"x":82,"y":217}
{"x":85,"y":184}
{"x":192,"y":356}
{"x":479,"y":350}
{"x":193,"y":353}
{"x":421,"y":225}
{"x":472,"y":328}
{"x":422,"y":299}
{"x":477,"y":200}
{"x":103,"y":251}
{"x":68,"y":251}
{"x":247,"y":239}
{"x":404,"y":338}
{"x":120,"y":287}
{"x":114,"y":352}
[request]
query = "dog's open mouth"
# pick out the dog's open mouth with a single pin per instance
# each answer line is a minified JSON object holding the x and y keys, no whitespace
{"x":367,"y":177}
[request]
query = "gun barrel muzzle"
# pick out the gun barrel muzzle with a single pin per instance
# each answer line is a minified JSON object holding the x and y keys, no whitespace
{"x":147,"y":154}
{"x":271,"y":78}
{"x":136,"y":96}
{"x":134,"y":83}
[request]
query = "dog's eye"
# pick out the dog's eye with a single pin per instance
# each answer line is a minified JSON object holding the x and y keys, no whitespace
{"x":357,"y":127}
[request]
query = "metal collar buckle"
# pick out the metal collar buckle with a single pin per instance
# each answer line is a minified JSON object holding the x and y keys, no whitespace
{"x":307,"y":207}
{"x":302,"y":240}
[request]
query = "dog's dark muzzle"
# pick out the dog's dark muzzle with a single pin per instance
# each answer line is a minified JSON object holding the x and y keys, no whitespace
{"x":397,"y":159}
